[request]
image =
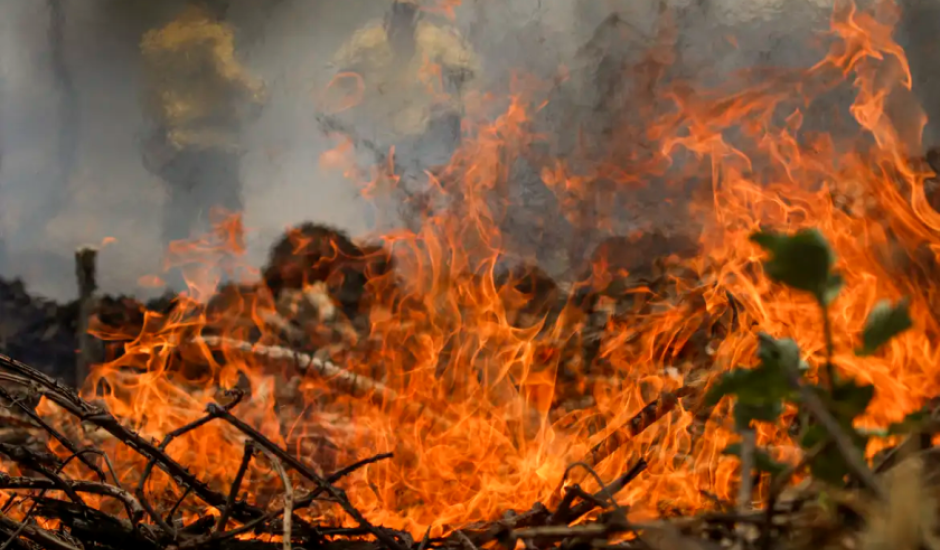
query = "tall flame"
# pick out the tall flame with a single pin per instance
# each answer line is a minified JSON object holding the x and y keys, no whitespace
{"x":484,"y":413}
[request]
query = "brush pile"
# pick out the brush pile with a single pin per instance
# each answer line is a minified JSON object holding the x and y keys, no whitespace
{"x":64,"y":493}
{"x":59,"y":514}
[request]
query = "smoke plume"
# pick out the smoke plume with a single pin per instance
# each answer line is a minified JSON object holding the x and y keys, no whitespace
{"x":70,"y":116}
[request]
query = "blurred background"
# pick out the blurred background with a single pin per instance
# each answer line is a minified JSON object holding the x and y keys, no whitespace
{"x":71,"y":120}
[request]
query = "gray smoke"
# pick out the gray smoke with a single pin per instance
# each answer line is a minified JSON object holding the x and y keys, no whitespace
{"x":71,"y":171}
{"x":46,"y":213}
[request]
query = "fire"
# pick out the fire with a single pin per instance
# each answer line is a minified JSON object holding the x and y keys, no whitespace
{"x":485,"y":410}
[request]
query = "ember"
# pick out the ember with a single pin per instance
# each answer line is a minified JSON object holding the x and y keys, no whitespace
{"x":448,"y":388}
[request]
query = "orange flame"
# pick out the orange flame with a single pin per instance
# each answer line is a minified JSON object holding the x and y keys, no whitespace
{"x":484,"y":412}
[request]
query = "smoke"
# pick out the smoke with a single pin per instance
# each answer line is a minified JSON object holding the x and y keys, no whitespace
{"x":106,"y":193}
{"x":53,"y":199}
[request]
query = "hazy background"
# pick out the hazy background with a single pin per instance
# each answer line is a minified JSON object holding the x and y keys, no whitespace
{"x":70,"y":116}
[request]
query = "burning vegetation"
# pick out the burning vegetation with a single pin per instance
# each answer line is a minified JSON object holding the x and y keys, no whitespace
{"x":739,"y":348}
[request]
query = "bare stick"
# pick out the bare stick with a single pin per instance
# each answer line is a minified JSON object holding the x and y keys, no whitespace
{"x":608,"y":492}
{"x":39,"y":536}
{"x":853,"y":458}
{"x":646,"y":417}
{"x":483,"y":534}
{"x":340,"y":378}
{"x":345,"y":471}
{"x":183,"y":430}
{"x":303,"y":502}
{"x":27,"y":530}
{"x":338,"y":495}
{"x":288,"y":497}
{"x":236,"y":486}
{"x":465,"y":541}
{"x":172,"y":512}
{"x":155,"y":516}
{"x":91,"y":487}
{"x":595,"y":530}
{"x":88,"y":353}
{"x":748,"y":444}
{"x":340,"y":474}
{"x":66,"y":398}
{"x":66,"y":442}
{"x":346,"y":381}
{"x":32,"y":461}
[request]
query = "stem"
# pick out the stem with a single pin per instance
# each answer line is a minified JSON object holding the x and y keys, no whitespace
{"x":830,"y":348}
{"x":746,"y":488}
{"x":748,"y":444}
{"x":853,"y":457}
{"x":236,"y":485}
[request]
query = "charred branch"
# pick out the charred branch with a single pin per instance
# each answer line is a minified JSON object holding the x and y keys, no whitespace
{"x":71,"y":402}
{"x":91,"y":487}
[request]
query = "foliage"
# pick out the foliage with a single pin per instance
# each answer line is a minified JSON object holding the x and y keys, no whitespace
{"x":884,"y":323}
{"x":804,"y":261}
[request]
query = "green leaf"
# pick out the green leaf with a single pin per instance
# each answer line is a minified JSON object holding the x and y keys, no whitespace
{"x":884,"y":323}
{"x":779,"y":359}
{"x":829,"y":465}
{"x":752,"y":386}
{"x":802,"y":261}
{"x":761,"y":390}
{"x":766,"y":384}
{"x":729,"y":383}
{"x":850,"y":399}
{"x":781,"y":355}
{"x":762,"y":460}
{"x":744,"y":413}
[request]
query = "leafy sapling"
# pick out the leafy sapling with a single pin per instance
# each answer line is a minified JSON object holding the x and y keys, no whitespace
{"x":804,"y":261}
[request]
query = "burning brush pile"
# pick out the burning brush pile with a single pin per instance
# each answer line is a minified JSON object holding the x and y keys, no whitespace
{"x":765,"y":381}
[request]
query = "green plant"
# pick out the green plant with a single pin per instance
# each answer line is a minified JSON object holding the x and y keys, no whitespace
{"x":804,"y":261}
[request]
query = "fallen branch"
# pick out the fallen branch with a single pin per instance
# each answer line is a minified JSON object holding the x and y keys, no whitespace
{"x":340,"y":474}
{"x":164,"y":524}
{"x":288,"y":497}
{"x":648,"y":415}
{"x":68,"y":400}
{"x":98,"y":529}
{"x":341,"y":379}
{"x":58,"y":436}
{"x":236,"y":486}
{"x":323,"y":486}
{"x":595,"y":530}
{"x":604,"y":494}
{"x":90,"y":487}
{"x":24,"y":524}
{"x":483,"y":534}
{"x":31,"y":461}
{"x":39,"y":536}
